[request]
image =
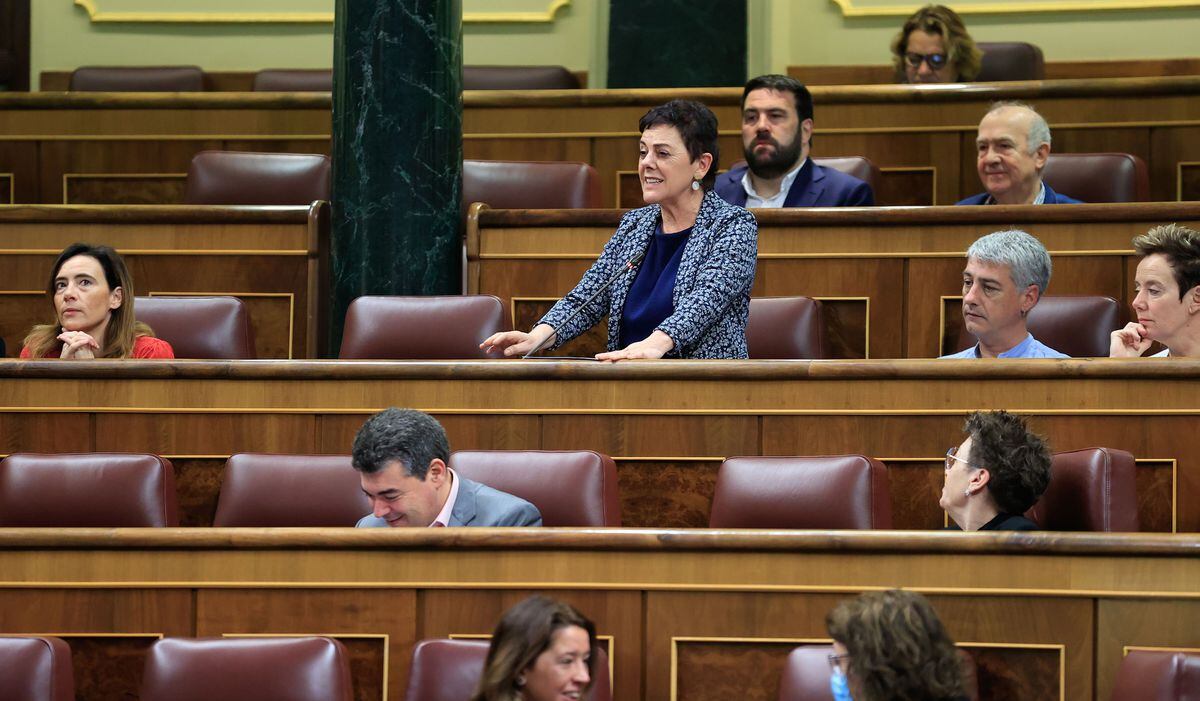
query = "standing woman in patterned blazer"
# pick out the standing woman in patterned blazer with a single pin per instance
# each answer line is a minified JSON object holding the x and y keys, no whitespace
{"x":689,"y":296}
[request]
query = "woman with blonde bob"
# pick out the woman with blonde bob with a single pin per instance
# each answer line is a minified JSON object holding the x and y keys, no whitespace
{"x":542,"y":650}
{"x":934,"y":47}
{"x":91,"y":292}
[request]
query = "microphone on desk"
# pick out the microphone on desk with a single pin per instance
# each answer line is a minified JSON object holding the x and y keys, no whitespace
{"x":631,"y":265}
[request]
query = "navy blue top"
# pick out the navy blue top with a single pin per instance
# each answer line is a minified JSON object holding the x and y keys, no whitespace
{"x":651,"y":295}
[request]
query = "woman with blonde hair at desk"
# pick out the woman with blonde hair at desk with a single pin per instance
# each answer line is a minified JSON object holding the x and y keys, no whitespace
{"x":1167,"y":299}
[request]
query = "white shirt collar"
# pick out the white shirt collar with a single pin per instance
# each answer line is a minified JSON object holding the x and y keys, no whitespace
{"x":443,"y":517}
{"x":753,"y":199}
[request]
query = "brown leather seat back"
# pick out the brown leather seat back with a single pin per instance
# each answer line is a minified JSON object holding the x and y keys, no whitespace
{"x":1010,"y":60}
{"x":293,"y":80}
{"x":449,"y":670}
{"x":100,"y":490}
{"x":786,"y":328}
{"x":1158,"y":675}
{"x":247,"y":669}
{"x":448,"y":327}
{"x":826,"y":492}
{"x":36,"y":669}
{"x":203,"y":328}
{"x":1078,"y":326}
{"x":1098,"y":177}
{"x":262,"y":490}
{"x":247,"y":178}
{"x":1093,"y":489}
{"x":806,"y":675}
{"x":137,"y":79}
{"x":858,"y":166}
{"x":531,"y":185}
{"x":519,"y":78}
{"x":569,"y":487}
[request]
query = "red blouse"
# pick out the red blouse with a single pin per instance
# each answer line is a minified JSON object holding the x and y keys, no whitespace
{"x":143,"y":347}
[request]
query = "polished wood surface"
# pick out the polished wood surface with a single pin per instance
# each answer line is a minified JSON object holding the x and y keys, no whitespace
{"x":270,"y":257}
{"x":882,"y":74}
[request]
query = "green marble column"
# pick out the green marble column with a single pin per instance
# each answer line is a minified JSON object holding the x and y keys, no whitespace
{"x":397,"y":151}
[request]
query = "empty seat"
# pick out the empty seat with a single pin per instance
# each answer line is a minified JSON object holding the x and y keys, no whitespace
{"x":101,"y":490}
{"x":1010,"y":60}
{"x":264,"y":490}
{"x":785,"y":328}
{"x":569,"y":487}
{"x":248,"y":178}
{"x":449,"y":670}
{"x":530,"y":185}
{"x":1078,"y":326}
{"x":1092,"y":489}
{"x":806,"y":675}
{"x":858,"y":166}
{"x":205,"y":328}
{"x":518,"y":78}
{"x":137,"y":79}
{"x":449,"y":327}
{"x":293,"y":80}
{"x":247,"y":669}
{"x":36,"y":669}
{"x":1098,"y":177}
{"x":827,"y":492}
{"x":1158,"y":675}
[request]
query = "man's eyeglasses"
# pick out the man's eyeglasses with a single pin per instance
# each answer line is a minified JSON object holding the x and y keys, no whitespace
{"x":837,"y":662}
{"x":951,"y":458}
{"x":936,"y":61}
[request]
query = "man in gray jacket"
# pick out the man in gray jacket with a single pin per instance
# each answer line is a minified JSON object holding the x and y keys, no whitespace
{"x":401,"y":457}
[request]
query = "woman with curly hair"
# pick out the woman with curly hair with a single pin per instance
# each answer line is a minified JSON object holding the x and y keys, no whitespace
{"x":995,"y":475}
{"x":890,"y":646}
{"x":934,"y":47}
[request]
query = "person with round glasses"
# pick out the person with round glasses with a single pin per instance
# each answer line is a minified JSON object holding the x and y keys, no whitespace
{"x":934,"y":47}
{"x":995,"y":475}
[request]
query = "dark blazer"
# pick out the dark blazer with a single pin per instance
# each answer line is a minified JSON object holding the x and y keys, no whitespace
{"x":479,"y":505}
{"x":712,"y":285}
{"x":1052,"y":197}
{"x":1003,"y":522}
{"x":814,"y":186}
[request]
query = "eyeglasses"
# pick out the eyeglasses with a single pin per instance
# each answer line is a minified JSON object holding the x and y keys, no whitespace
{"x":837,"y":662}
{"x":936,"y":61}
{"x":951,"y":458}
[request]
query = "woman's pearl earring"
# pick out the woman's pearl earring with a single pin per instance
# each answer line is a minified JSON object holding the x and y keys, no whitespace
{"x":695,"y":184}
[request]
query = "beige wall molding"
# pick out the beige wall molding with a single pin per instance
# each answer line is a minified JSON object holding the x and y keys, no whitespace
{"x":887,"y":8}
{"x":212,"y":12}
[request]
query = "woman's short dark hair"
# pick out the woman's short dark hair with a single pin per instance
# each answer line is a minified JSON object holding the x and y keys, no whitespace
{"x":897,"y":648}
{"x":1017,"y":459}
{"x":1180,"y":246}
{"x":524,"y":633}
{"x":696,"y":124}
{"x":961,"y":53}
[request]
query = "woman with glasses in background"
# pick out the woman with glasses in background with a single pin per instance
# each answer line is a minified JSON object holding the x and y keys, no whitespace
{"x":934,"y":47}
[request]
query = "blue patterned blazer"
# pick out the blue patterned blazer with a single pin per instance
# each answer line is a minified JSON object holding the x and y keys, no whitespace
{"x":712,"y":285}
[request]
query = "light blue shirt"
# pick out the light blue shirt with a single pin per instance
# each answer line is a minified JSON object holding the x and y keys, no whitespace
{"x":1029,"y":348}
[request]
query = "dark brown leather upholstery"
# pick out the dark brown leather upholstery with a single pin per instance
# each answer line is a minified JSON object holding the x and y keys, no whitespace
{"x":860,"y":167}
{"x":448,"y":670}
{"x":826,"y":492}
{"x":519,"y":78}
{"x":264,"y":490}
{"x":202,"y":328}
{"x":442,"y":328}
{"x":1158,"y":675}
{"x":247,"y":178}
{"x":1077,"y":326}
{"x":1098,"y":177}
{"x":786,"y":328}
{"x":247,"y":669}
{"x":1010,"y":60}
{"x":1092,"y":489}
{"x":569,"y":487}
{"x":103,"y":490}
{"x":293,"y":80}
{"x":137,"y":79}
{"x":531,"y":185}
{"x":806,"y":674}
{"x":35,"y":669}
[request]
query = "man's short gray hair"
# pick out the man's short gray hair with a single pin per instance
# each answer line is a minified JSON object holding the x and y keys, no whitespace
{"x":1039,"y":131}
{"x":1026,"y":257}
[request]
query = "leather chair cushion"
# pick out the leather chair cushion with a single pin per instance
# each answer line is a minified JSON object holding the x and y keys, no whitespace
{"x":518,"y":78}
{"x":36,"y":669}
{"x":1158,"y":675}
{"x":1098,"y":177}
{"x":261,"y":490}
{"x":293,"y":80}
{"x":531,"y":185}
{"x":100,"y":490}
{"x":137,"y":79}
{"x":827,"y":492}
{"x":204,"y":328}
{"x":247,"y":669}
{"x":786,"y":328}
{"x":449,"y":327}
{"x":1093,"y":489}
{"x":1010,"y":60}
{"x":569,"y":487}
{"x":1077,"y":326}
{"x":246,"y":178}
{"x":449,"y":670}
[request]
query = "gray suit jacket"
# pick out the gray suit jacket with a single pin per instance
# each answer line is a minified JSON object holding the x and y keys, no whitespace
{"x":479,"y":505}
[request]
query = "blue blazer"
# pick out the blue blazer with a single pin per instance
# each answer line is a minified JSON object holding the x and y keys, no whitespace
{"x":814,"y":186}
{"x":479,"y":505}
{"x":712,"y":286}
{"x":1052,"y":197}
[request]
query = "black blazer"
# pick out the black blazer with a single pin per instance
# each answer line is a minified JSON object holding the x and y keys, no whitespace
{"x":1003,"y":522}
